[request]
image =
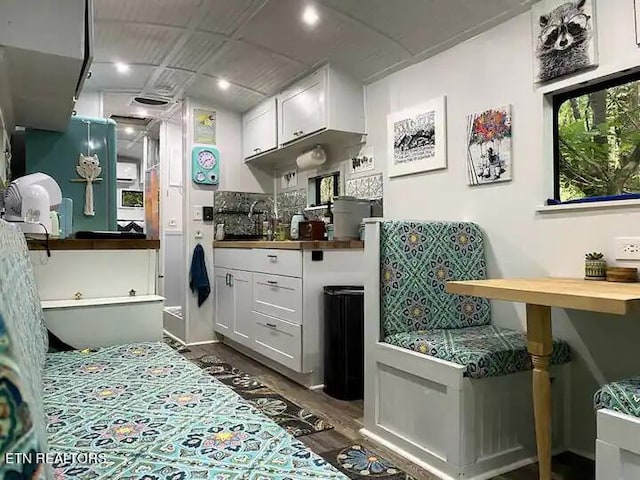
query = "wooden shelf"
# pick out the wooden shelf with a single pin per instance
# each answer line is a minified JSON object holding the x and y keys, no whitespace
{"x":293,"y":244}
{"x":95,"y":244}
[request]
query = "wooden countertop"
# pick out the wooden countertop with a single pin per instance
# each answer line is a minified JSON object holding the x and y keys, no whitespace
{"x":575,"y":293}
{"x":95,"y":244}
{"x":292,"y":244}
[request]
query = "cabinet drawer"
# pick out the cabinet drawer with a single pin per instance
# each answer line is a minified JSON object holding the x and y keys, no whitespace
{"x":278,"y":262}
{"x":236,"y":258}
{"x":279,"y":340}
{"x":278,"y":296}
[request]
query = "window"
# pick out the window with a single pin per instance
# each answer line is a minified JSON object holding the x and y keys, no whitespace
{"x":325,"y":188}
{"x":597,"y":140}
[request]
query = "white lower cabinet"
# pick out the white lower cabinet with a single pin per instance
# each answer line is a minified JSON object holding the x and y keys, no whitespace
{"x":279,"y":340}
{"x":278,"y":296}
{"x":234,"y":318}
{"x":225,"y":310}
{"x":243,"y":318}
{"x":271,"y":302}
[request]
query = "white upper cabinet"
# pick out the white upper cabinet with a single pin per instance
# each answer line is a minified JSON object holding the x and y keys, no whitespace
{"x":325,"y":108}
{"x":46,"y":53}
{"x":303,"y":107}
{"x":259,"y":129}
{"x":325,"y":100}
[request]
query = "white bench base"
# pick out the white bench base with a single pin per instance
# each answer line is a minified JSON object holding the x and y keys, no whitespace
{"x":455,"y":427}
{"x":101,"y":322}
{"x":617,"y":446}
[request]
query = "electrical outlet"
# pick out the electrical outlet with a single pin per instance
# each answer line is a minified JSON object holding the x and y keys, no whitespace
{"x":628,"y":248}
{"x":173,"y":222}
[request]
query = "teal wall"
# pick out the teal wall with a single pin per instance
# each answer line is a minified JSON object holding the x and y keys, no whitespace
{"x":56,"y":154}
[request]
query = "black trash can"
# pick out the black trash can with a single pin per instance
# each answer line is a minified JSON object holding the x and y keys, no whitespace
{"x":344,"y":342}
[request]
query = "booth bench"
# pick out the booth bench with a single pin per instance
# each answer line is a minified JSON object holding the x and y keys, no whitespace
{"x":443,"y":386}
{"x":618,"y":443}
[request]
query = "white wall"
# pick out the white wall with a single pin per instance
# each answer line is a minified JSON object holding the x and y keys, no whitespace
{"x":173,"y":260}
{"x":491,"y":70}
{"x":234,"y":175}
{"x":89,"y":104}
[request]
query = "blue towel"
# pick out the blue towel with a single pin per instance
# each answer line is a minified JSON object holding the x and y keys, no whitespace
{"x":199,"y":280}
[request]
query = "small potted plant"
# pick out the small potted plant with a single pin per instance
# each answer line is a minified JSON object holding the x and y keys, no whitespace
{"x":595,"y":266}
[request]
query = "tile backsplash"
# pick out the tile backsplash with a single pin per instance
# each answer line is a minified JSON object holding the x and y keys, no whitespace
{"x":290,"y":202}
{"x":232,"y":209}
{"x":369,"y":187}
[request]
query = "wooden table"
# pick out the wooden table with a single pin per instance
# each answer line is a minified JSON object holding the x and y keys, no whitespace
{"x":540,"y":294}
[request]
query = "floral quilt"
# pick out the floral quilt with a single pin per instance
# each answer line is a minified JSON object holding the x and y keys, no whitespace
{"x":146,"y":413}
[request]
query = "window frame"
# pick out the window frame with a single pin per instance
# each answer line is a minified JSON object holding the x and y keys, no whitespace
{"x":317,"y":182}
{"x":557,"y":101}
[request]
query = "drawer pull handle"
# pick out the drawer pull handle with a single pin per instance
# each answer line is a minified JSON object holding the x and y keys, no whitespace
{"x":272,"y":257}
{"x":271,"y":325}
{"x":272,"y":282}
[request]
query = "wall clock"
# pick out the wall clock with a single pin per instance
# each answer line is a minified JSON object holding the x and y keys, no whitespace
{"x":205,"y":165}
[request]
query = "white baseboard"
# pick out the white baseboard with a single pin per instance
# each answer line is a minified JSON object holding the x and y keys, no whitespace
{"x":173,"y":337}
{"x":185,"y":344}
{"x":208,"y":342}
{"x":438,"y":473}
{"x":403,"y":453}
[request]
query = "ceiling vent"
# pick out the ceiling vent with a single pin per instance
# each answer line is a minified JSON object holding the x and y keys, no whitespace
{"x":128,"y":120}
{"x":151,"y":102}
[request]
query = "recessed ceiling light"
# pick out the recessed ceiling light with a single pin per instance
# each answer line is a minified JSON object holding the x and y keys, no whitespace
{"x":310,"y":15}
{"x":223,"y":84}
{"x":129,"y":130}
{"x":122,"y":67}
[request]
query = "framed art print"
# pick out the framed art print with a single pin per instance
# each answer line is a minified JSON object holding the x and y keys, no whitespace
{"x":417,"y":138}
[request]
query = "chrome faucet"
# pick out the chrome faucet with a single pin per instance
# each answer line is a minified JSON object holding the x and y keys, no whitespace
{"x":253,"y":206}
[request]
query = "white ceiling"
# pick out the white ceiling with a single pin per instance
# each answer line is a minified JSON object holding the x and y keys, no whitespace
{"x":182,"y":47}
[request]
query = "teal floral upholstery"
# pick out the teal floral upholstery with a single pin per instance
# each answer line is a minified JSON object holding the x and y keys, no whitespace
{"x":23,"y":347}
{"x":417,"y":259}
{"x":485,"y":351}
{"x":622,"y":396}
{"x":152,"y":415}
{"x":132,"y":412}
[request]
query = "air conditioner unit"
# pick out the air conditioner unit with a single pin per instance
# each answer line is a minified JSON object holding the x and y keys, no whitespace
{"x":126,"y":172}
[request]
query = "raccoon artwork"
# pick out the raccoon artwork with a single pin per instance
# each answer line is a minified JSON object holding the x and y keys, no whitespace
{"x":564,"y":38}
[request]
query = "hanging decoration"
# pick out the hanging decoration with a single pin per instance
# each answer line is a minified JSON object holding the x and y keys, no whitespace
{"x":89,"y":170}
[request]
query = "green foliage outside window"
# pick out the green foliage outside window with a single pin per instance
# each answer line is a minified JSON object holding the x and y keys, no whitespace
{"x":599,"y":143}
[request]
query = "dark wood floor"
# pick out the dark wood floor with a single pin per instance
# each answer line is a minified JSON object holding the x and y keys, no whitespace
{"x":346,"y":419}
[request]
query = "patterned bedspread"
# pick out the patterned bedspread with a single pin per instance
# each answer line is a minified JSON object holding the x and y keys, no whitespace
{"x":151,"y":414}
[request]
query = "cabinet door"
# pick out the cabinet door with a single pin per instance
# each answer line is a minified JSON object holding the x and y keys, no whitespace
{"x":303,"y":108}
{"x":243,"y":322}
{"x":224,"y":302}
{"x":260,"y":132}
